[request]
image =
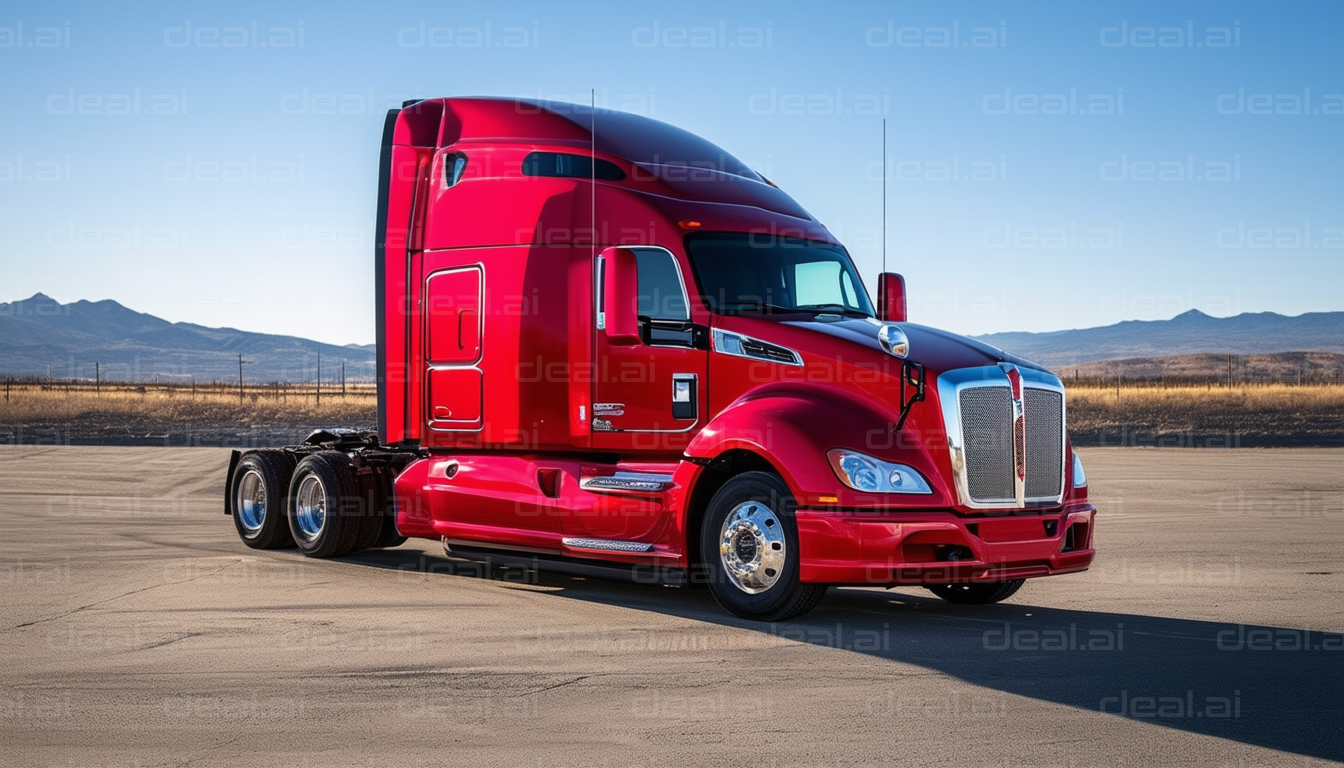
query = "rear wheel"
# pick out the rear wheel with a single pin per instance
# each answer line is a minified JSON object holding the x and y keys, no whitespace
{"x":977,"y":594}
{"x":326,"y":516}
{"x":258,"y":498}
{"x":749,"y":542}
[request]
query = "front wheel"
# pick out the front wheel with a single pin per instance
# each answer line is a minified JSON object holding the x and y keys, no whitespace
{"x":749,"y":542}
{"x":977,"y":594}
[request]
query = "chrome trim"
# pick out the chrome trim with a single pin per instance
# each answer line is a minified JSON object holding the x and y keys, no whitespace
{"x":250,"y":500}
{"x":446,"y":425}
{"x":635,"y":482}
{"x":310,"y":508}
{"x":950,"y":385}
{"x":752,"y":547}
{"x":606,"y":545}
{"x":1015,"y":386}
{"x":600,"y":276}
{"x":693,"y":378}
{"x":480,"y":314}
{"x":599,"y":294}
{"x":719,"y":335}
{"x":893,"y":340}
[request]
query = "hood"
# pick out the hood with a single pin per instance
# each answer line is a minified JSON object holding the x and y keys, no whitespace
{"x":936,"y":349}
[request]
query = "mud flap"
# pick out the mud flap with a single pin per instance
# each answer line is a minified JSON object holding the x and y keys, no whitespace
{"x":228,"y":481}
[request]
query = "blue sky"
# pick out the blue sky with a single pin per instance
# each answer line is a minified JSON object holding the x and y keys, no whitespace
{"x":1050,"y":165}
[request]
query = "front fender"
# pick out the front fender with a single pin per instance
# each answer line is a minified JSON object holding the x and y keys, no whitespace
{"x":793,"y":427}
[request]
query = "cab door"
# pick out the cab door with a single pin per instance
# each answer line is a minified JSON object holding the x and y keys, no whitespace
{"x":650,"y":397}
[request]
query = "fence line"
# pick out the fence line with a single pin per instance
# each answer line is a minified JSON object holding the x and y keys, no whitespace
{"x":271,"y":391}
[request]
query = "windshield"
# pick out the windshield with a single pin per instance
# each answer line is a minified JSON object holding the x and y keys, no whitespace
{"x":742,"y":272}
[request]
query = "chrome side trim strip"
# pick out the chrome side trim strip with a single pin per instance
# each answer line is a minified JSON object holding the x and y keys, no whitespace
{"x":730,"y":343}
{"x":637,"y":482}
{"x":606,"y":545}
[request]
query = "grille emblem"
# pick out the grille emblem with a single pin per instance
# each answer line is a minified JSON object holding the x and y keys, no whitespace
{"x":1019,"y":434}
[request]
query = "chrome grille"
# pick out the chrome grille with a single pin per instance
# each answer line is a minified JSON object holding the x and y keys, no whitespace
{"x":978,"y":409}
{"x":987,"y":432}
{"x":1045,"y":442}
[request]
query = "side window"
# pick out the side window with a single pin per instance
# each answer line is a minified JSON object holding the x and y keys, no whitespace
{"x":454,"y":164}
{"x":823,"y":282}
{"x":816,"y":282}
{"x":661,"y":295}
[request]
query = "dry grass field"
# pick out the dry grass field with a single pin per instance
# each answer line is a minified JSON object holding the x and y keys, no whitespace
{"x":1244,"y":415}
{"x":177,"y":415}
{"x":1204,"y":415}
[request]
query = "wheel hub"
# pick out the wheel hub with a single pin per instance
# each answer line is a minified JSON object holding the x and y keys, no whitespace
{"x":752,"y":547}
{"x":310,"y":508}
{"x":250,"y":503}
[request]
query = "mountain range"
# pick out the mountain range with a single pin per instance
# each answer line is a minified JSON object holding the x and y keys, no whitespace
{"x":41,"y":336}
{"x":1257,"y":333}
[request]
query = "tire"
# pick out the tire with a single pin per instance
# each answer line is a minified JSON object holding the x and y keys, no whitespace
{"x":749,"y":544}
{"x":977,"y":594}
{"x":326,"y":516}
{"x":258,"y":499}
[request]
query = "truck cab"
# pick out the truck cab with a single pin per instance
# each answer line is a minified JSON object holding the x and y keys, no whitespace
{"x":604,"y":341}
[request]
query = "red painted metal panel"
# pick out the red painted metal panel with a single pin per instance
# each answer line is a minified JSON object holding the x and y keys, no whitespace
{"x":494,"y":363}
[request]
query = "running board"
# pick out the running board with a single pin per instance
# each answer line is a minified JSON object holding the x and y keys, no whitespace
{"x":628,"y":482}
{"x":607,"y":545}
{"x":639,"y":574}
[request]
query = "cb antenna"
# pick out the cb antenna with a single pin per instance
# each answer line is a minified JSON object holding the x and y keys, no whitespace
{"x":884,"y":194}
{"x":592,"y":163}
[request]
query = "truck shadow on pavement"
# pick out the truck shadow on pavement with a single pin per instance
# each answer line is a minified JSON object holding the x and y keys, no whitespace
{"x":1274,"y":687}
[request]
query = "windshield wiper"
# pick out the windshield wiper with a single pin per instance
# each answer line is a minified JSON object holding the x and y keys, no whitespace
{"x":753,"y":305}
{"x":839,"y":309}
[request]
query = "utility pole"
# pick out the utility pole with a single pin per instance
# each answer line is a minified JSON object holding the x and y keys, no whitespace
{"x":241,"y":362}
{"x":98,"y":379}
{"x":1229,"y":371}
{"x":319,"y":377}
{"x":343,"y":379}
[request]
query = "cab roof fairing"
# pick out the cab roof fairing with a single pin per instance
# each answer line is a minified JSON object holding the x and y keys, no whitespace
{"x":677,"y":164}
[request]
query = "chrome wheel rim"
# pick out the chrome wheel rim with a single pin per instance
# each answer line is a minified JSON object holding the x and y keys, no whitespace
{"x":752,"y":547}
{"x":250,"y":503}
{"x":310,"y":507}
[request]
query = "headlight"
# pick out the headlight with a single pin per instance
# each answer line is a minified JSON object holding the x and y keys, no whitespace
{"x":1079,"y":477}
{"x":865,"y":473}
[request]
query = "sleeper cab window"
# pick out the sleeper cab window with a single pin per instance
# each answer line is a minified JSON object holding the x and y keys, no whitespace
{"x":568,"y":166}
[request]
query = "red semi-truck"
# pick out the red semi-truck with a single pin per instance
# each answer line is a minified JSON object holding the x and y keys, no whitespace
{"x":606,"y":344}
